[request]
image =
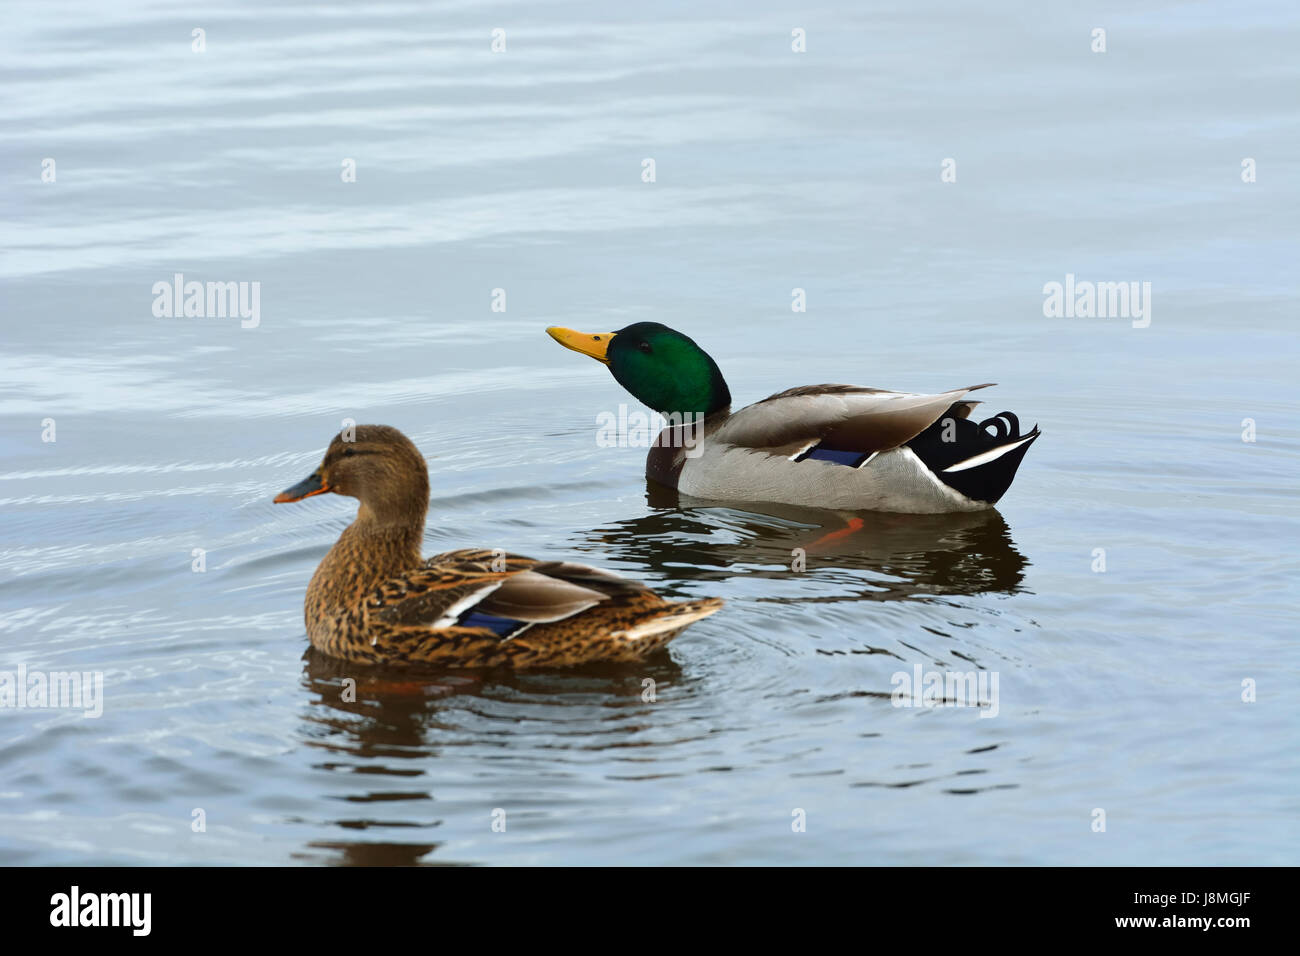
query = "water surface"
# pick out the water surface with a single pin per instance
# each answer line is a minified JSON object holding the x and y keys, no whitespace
{"x":1118,"y":690}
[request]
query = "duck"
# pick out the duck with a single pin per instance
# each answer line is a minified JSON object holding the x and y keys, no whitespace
{"x":375,"y":601}
{"x":835,"y":447}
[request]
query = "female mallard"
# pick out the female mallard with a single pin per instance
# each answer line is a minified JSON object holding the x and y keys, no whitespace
{"x":828,"y":446}
{"x":374,"y":601}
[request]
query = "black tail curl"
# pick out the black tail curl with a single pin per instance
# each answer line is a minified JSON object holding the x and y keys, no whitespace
{"x":953,"y":440}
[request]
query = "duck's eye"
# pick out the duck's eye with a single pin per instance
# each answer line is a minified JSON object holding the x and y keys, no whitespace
{"x":644,"y":347}
{"x":347,"y":452}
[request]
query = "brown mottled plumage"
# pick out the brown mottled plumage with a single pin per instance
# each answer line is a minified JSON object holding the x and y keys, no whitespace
{"x":374,"y":601}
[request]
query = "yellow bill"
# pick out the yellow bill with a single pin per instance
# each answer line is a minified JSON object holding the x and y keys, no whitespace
{"x":594,"y":344}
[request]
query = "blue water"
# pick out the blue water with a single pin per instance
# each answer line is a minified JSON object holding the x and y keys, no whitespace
{"x":1118,"y":690}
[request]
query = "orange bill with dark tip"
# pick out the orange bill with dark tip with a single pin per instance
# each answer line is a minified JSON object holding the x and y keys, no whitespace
{"x":311,"y":485}
{"x":595,"y":344}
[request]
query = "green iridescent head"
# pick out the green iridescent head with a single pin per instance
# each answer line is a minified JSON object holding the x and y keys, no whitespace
{"x":660,"y":366}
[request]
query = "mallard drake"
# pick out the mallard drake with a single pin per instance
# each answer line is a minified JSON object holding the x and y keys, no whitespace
{"x":373,"y":600}
{"x":845,"y":447}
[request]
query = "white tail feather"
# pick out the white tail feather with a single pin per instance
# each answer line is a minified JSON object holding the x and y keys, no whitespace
{"x":985,"y":457}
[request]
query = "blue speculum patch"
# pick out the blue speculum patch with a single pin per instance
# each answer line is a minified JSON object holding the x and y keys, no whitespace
{"x":502,"y":626}
{"x":850,"y":458}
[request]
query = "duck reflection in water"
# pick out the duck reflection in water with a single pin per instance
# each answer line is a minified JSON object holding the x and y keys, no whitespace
{"x":901,"y":556}
{"x":379,"y":731}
